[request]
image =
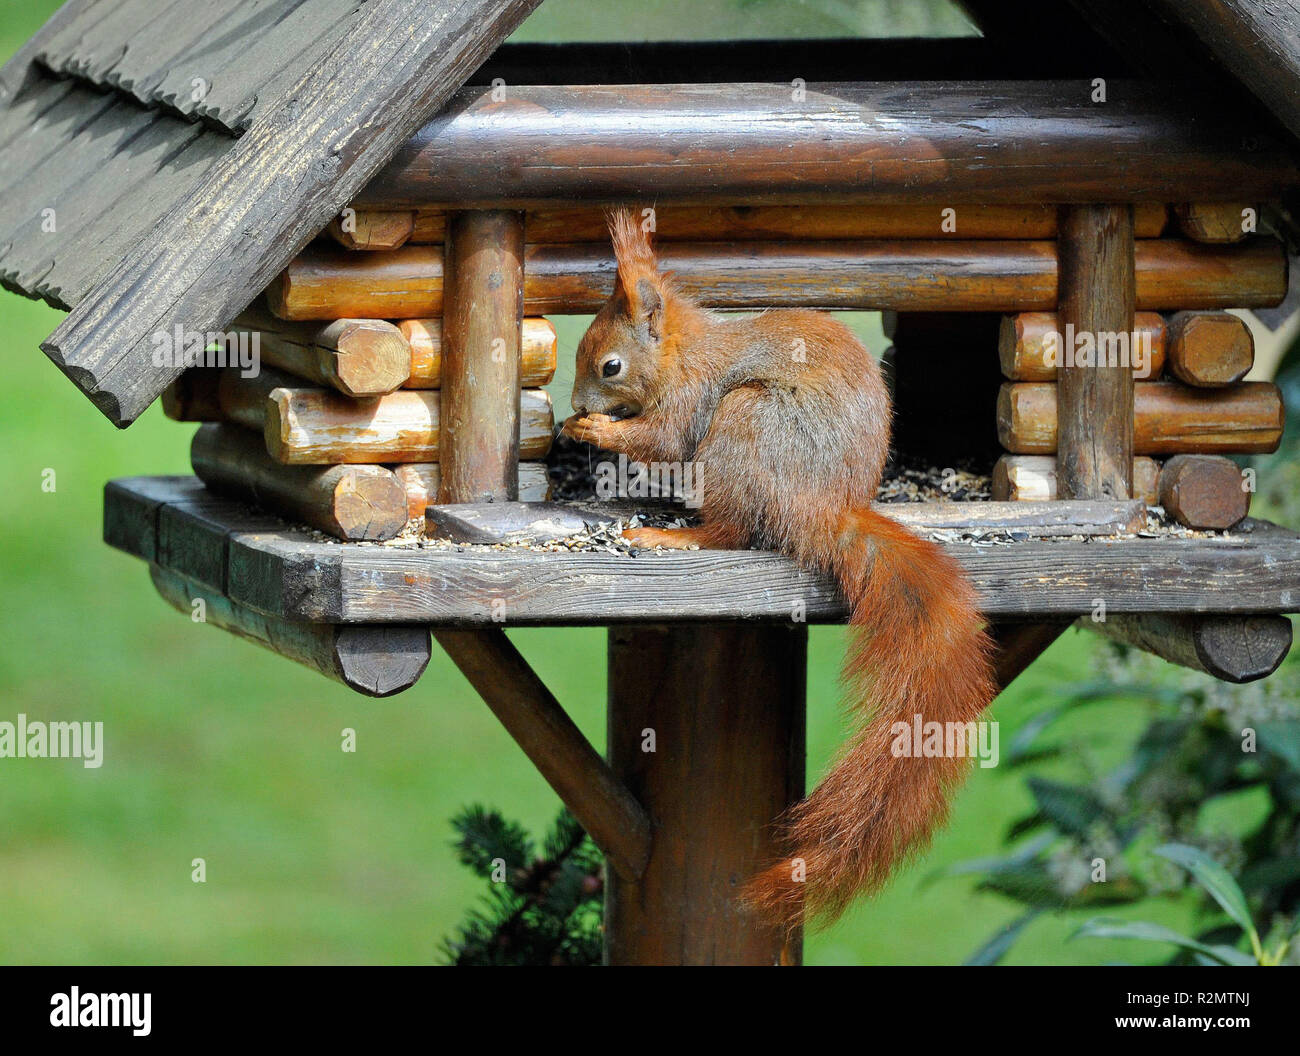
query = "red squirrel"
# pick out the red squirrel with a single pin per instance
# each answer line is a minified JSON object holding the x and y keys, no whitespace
{"x":788,"y":417}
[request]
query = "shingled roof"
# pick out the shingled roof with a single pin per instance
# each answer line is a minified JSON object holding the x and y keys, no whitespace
{"x":166,"y":158}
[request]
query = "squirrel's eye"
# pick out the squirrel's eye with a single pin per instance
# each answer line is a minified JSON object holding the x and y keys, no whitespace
{"x":611,"y":367}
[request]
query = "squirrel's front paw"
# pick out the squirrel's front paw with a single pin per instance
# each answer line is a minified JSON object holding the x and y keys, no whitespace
{"x":590,"y":428}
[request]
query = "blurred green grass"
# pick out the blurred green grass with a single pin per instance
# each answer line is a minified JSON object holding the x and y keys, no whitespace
{"x":216,"y":749}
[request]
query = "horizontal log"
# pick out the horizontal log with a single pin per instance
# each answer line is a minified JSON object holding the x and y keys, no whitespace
{"x":1204,"y":491}
{"x":950,"y":142}
{"x":373,"y":228}
{"x":314,"y":426}
{"x":193,"y":397}
{"x":1032,"y":478}
{"x":536,"y":363}
{"x":204,"y":395}
{"x":1213,"y":221}
{"x":993,"y":276}
{"x":288,"y":574}
{"x":348,"y":502}
{"x":305,"y":426}
{"x":377,"y":660}
{"x":1168,"y":418}
{"x":1231,"y":648}
{"x":421,"y":479}
{"x":358,"y":357}
{"x":500,"y":522}
{"x":1209,"y":349}
{"x":749,"y":223}
{"x":1037,"y":520}
{"x":1031,"y":345}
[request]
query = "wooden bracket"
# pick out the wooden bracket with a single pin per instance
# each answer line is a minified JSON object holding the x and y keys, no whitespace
{"x":542,"y":728}
{"x":1019,"y":644}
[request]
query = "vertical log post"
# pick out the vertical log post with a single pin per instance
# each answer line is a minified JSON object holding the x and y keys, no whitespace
{"x":483,"y":310}
{"x":1095,"y":403}
{"x":722,"y":707}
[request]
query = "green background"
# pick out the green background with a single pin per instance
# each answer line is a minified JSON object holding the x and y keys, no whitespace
{"x":216,"y":749}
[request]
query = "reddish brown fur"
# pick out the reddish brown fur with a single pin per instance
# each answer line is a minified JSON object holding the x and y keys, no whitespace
{"x":788,"y":419}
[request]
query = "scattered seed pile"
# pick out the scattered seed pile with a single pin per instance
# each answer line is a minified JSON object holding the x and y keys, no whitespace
{"x":571,"y":466}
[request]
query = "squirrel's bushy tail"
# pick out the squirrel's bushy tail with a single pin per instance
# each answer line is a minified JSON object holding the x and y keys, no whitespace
{"x":917,"y":648}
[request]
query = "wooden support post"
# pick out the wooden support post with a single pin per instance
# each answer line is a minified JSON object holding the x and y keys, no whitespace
{"x":571,"y":766}
{"x":483,"y":317}
{"x":706,"y":727}
{"x":1095,"y":404}
{"x":479,"y":456}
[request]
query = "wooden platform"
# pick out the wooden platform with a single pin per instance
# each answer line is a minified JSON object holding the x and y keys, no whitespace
{"x":257,"y":561}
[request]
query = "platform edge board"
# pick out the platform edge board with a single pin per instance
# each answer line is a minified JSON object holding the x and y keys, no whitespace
{"x":288,"y":573}
{"x":282,"y":576}
{"x":1026,"y":579}
{"x":131,"y":506}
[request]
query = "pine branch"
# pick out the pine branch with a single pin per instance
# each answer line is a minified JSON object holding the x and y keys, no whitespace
{"x":547,"y":912}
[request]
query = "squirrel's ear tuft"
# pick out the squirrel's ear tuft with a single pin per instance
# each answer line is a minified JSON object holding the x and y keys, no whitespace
{"x":631,"y":246}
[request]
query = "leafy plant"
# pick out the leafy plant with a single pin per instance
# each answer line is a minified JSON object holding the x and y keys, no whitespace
{"x":1220,"y":885}
{"x":539,"y":909}
{"x":1087,"y":841}
{"x":1206,"y":747}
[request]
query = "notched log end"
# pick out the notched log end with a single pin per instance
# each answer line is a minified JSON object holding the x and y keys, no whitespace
{"x":381,"y":660}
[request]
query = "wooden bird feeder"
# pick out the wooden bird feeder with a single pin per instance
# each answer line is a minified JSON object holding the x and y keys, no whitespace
{"x":397,"y":230}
